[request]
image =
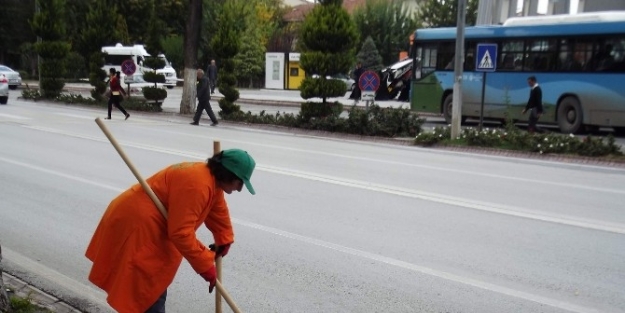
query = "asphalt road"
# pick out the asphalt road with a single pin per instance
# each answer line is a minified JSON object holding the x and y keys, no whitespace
{"x":336,"y":225}
{"x":287,"y":101}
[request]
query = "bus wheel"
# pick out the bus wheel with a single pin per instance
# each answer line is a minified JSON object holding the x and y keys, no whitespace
{"x":570,"y":115}
{"x":447,"y":108}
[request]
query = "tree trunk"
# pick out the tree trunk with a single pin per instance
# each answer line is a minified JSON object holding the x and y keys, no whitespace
{"x":191,"y":42}
{"x":5,"y":304}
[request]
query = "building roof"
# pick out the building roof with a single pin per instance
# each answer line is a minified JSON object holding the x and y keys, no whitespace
{"x":297,"y":14}
{"x":351,"y":5}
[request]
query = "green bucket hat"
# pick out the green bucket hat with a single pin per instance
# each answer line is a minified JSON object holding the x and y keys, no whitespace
{"x":241,"y":164}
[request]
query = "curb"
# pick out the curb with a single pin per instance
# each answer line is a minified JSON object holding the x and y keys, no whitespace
{"x":564,"y":159}
{"x":276,"y":103}
{"x":36,"y":296}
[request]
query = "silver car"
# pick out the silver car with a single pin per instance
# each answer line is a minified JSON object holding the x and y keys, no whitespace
{"x":14,"y":77}
{"x":4,"y":89}
{"x":350,"y":84}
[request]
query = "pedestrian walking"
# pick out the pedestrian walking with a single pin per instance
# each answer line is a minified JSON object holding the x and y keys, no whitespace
{"x":203,"y":97}
{"x":356,"y":93}
{"x":136,"y":251}
{"x":212,"y":75}
{"x":117,"y":92}
{"x":534,"y":104}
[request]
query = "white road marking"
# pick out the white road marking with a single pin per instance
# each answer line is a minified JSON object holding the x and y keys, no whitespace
{"x":426,"y":196}
{"x":413,"y":165}
{"x":15,"y":117}
{"x":76,"y":116}
{"x":95,"y":296}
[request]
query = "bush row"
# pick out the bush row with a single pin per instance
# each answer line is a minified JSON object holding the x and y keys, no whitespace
{"x":129,"y":103}
{"x":512,"y":138}
{"x":373,"y":121}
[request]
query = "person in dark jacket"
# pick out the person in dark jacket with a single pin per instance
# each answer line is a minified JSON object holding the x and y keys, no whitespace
{"x":358,"y":71}
{"x":212,"y":75}
{"x":203,"y":96}
{"x":534,"y":104}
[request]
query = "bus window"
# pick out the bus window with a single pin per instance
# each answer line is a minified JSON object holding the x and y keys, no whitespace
{"x":618,"y":54}
{"x":469,"y":59}
{"x":564,"y":54}
{"x":445,"y":58}
{"x":511,"y":57}
{"x":579,"y":53}
{"x":428,"y":62}
{"x":416,"y":54}
{"x":609,"y":55}
{"x":540,"y":55}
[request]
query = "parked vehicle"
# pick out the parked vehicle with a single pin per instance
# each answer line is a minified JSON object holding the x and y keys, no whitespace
{"x":116,"y":55}
{"x":349,"y":82}
{"x":395,"y":79}
{"x":4,"y":89}
{"x":14,"y":77}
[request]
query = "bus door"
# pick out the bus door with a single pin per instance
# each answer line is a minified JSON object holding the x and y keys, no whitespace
{"x":426,"y":89}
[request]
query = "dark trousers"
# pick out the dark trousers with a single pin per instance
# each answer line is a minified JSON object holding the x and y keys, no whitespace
{"x":531,"y":127}
{"x":213,"y":83}
{"x":201,"y":106}
{"x":159,"y":305}
{"x":115,"y":101}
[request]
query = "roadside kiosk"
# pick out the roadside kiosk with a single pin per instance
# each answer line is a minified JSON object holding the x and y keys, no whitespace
{"x":295,"y":73}
{"x":283,"y":71}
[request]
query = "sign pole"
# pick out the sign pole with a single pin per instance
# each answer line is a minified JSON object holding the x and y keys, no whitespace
{"x":456,"y":115}
{"x":369,"y":82}
{"x":486,"y":61}
{"x":482,"y":106}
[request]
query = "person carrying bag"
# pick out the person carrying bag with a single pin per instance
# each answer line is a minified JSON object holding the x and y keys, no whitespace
{"x":117,"y":94}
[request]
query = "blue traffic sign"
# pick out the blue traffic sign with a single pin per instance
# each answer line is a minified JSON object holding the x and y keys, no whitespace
{"x":486,"y":60}
{"x":128,"y":67}
{"x":369,"y":81}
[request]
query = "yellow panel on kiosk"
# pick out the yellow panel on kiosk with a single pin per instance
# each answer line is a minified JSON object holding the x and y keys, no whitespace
{"x":294,"y":72}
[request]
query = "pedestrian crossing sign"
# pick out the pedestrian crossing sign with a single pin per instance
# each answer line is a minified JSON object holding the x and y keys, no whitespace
{"x":486,"y":60}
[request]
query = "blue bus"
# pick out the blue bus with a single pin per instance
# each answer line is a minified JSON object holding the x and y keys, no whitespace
{"x":578,"y":60}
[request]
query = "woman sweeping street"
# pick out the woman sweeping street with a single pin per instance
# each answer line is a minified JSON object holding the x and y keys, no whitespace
{"x":136,"y":252}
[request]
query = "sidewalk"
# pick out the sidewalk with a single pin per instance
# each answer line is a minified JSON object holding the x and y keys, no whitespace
{"x":269,"y":97}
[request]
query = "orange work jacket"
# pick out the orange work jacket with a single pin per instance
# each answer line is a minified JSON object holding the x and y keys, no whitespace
{"x":136,"y":252}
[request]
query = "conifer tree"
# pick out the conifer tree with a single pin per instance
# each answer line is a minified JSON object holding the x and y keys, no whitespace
{"x":369,"y":56}
{"x":226,"y":44}
{"x":328,"y":42}
{"x":96,"y":34}
{"x":49,"y":25}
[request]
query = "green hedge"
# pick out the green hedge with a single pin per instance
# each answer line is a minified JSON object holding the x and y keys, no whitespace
{"x":154,"y":93}
{"x":512,"y":138}
{"x":374,"y":121}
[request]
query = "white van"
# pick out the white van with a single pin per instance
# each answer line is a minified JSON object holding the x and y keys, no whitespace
{"x":116,"y":55}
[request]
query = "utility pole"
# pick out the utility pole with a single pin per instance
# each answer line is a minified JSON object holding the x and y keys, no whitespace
{"x":37,"y":10}
{"x":456,"y":115}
